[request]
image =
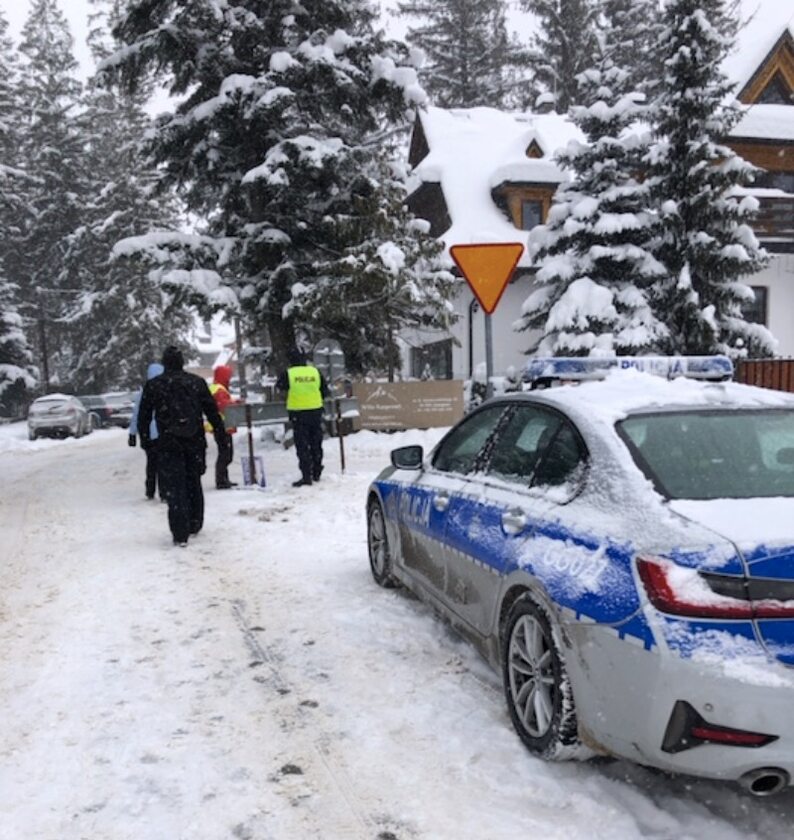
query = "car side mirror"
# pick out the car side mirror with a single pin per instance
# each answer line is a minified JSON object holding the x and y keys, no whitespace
{"x":407,"y":458}
{"x":785,"y":455}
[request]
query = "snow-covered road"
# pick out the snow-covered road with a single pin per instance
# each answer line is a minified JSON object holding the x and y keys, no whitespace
{"x":259,"y":685}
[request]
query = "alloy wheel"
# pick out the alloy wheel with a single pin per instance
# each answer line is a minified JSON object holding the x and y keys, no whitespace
{"x":533,"y":685}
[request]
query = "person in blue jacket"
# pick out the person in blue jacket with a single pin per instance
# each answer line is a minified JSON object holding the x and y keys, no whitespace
{"x":152,"y":481}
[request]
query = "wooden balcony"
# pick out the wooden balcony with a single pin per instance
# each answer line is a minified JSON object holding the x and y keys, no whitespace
{"x":774,"y":225}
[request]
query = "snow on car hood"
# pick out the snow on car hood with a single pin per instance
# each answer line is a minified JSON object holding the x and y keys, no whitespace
{"x":747,"y":523}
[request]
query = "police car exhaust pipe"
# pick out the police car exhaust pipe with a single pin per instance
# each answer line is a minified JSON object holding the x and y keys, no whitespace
{"x":766,"y":781}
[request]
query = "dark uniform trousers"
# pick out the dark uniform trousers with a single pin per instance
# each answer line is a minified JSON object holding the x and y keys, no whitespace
{"x":307,"y":429}
{"x":152,"y":471}
{"x":225,"y":457}
{"x":181,"y":465}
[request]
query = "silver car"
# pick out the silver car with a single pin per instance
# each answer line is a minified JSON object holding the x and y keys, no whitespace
{"x":120,"y":405}
{"x":57,"y":415}
{"x":623,"y":553}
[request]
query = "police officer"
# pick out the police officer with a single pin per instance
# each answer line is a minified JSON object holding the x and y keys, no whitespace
{"x":306,"y":390}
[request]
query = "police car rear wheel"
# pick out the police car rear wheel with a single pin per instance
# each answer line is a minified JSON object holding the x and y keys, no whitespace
{"x":380,"y":561}
{"x":538,"y":691}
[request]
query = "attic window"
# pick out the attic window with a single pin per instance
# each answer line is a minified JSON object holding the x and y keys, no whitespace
{"x":534,"y":150}
{"x":531,"y":214}
{"x":777,"y":92}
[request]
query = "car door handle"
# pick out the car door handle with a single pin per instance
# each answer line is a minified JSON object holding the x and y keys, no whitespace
{"x":441,"y":502}
{"x":513,"y":521}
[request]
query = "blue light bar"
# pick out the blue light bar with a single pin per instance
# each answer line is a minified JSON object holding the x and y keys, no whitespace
{"x":577,"y":368}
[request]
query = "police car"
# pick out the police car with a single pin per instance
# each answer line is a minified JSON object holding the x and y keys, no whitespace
{"x":622,"y":550}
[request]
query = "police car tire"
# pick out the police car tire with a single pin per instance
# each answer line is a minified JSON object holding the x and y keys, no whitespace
{"x":378,"y":540}
{"x":560,"y":739}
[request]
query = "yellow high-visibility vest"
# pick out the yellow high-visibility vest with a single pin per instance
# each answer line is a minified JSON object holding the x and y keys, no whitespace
{"x":304,"y":388}
{"x":214,"y":388}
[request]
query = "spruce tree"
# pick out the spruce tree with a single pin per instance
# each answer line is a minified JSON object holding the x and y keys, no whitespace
{"x":17,"y":374}
{"x":50,"y":152}
{"x":631,"y":31}
{"x":282,"y":108}
{"x":393,"y":278}
{"x":564,"y":46}
{"x":468,"y":51}
{"x":596,"y":268}
{"x":707,"y":245}
{"x":16,"y":371}
{"x":120,"y":320}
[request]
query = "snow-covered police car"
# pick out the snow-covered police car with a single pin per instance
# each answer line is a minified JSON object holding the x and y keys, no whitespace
{"x":623,"y":551}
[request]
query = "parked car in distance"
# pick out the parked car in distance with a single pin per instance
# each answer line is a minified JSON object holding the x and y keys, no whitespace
{"x":623,"y":553}
{"x":98,"y":410}
{"x":120,"y":404}
{"x":57,"y":415}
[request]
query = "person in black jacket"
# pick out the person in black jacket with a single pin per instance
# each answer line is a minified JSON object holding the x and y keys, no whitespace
{"x":177,"y":400}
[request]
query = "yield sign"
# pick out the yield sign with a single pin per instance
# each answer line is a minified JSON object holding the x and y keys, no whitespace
{"x":487,"y":268}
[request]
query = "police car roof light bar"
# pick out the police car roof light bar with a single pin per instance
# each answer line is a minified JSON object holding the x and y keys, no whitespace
{"x":578,"y":368}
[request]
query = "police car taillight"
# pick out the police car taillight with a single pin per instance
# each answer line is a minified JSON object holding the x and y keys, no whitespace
{"x":676,"y":590}
{"x":687,"y":729}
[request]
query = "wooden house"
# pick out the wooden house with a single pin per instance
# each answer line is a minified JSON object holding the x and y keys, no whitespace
{"x":483,"y":175}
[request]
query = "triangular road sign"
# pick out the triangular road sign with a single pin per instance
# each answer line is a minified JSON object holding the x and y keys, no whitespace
{"x":487,"y":268}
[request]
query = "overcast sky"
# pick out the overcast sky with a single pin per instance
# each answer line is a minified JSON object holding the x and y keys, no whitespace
{"x":77,"y":11}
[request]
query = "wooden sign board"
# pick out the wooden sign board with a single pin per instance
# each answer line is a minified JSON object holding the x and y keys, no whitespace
{"x":409,"y":405}
{"x":487,"y":268}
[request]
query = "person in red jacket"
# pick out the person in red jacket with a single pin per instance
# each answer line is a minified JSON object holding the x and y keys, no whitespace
{"x":220,"y":391}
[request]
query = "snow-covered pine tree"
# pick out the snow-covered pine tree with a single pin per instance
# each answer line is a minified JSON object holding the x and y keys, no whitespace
{"x":394,"y":277}
{"x":633,"y":29}
{"x":120,"y":320}
{"x":468,"y":51}
{"x":50,"y":151}
{"x":282,"y":107}
{"x":564,"y":46}
{"x":594,"y":255}
{"x":16,"y":372}
{"x":707,"y":244}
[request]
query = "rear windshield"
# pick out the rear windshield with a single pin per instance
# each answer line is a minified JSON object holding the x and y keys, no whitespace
{"x":49,"y":403}
{"x":728,"y":454}
{"x":119,"y":399}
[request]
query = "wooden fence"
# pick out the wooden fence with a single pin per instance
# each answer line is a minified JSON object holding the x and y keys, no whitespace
{"x":767,"y":373}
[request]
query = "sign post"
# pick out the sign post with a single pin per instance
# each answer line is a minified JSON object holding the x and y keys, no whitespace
{"x":488,"y":268}
{"x":329,"y":359}
{"x":238,"y":340}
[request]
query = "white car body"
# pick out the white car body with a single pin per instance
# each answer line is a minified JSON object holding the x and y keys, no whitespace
{"x":58,"y":414}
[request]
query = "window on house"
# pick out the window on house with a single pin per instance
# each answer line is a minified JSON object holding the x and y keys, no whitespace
{"x":777,"y":92}
{"x":433,"y":361}
{"x":531,"y":214}
{"x":776,"y":180}
{"x":756,"y":312}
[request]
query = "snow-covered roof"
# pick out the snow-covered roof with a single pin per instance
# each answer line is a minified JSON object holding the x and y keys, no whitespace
{"x":766,"y":21}
{"x":473,"y":150}
{"x":766,"y":122}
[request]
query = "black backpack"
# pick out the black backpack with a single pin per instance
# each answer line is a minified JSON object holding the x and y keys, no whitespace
{"x":184,"y":409}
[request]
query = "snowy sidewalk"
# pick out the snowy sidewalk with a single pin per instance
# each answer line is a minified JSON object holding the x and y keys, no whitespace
{"x":259,"y":685}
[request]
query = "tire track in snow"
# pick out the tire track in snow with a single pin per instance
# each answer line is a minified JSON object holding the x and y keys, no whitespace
{"x":318,"y":766}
